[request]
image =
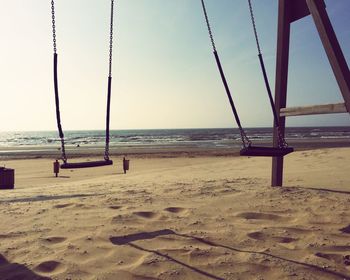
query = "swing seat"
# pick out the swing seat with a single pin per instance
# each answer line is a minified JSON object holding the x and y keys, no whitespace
{"x":86,"y":164}
{"x":256,"y":151}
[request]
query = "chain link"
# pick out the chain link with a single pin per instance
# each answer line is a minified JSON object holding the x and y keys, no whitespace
{"x":106,"y":157}
{"x":254,"y":26}
{"x":208,"y":26}
{"x":245,"y":140}
{"x":111,"y":39}
{"x":53,"y":26}
{"x":63,"y":151}
{"x":281,"y":140}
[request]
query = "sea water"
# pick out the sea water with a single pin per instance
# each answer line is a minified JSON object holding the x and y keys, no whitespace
{"x":172,"y":137}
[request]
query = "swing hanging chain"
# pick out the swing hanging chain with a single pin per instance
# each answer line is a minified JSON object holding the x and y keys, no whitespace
{"x":245,"y":140}
{"x":111,"y":39}
{"x":208,"y":25}
{"x":61,"y":135}
{"x":53,"y":26}
{"x":281,"y":140}
{"x":106,"y":155}
{"x":254,"y":26}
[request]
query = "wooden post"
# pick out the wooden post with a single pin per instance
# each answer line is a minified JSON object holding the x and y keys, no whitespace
{"x":282,"y":59}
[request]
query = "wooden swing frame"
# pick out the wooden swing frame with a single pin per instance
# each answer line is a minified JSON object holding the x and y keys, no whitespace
{"x":290,"y":11}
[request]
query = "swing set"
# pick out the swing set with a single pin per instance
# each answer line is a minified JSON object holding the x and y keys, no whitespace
{"x":288,"y":12}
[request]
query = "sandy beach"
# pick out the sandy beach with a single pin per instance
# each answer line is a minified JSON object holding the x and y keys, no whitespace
{"x":179,"y":218}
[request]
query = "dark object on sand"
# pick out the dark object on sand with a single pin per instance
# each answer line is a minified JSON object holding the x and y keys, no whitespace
{"x":7,"y":178}
{"x":345,"y":229}
{"x":56,"y":167}
{"x":86,"y":164}
{"x":125,"y":164}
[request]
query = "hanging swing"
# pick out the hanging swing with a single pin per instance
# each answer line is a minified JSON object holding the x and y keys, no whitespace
{"x":248,"y":149}
{"x":66,"y":164}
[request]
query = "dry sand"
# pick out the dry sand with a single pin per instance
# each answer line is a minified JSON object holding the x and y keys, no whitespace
{"x":179,"y":218}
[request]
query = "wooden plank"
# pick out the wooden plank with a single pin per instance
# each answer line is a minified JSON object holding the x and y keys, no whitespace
{"x":299,"y":9}
{"x":314,"y":110}
{"x":282,"y":59}
{"x":332,"y":48}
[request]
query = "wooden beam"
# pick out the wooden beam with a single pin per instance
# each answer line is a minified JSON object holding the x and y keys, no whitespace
{"x":313,"y":110}
{"x":282,"y":58}
{"x":332,"y":48}
{"x":299,"y":9}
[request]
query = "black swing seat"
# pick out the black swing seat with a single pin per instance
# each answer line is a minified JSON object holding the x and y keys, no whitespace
{"x":86,"y":164}
{"x":256,"y":151}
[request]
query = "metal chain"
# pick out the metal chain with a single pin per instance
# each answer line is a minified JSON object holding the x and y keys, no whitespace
{"x":281,"y":140}
{"x":208,"y":26}
{"x":254,"y":26}
{"x":106,"y":157}
{"x":53,"y":26}
{"x":111,"y":39}
{"x":63,"y":149}
{"x":245,"y":140}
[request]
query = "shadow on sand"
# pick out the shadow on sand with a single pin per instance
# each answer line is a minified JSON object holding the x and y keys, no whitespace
{"x":48,"y":197}
{"x":15,"y":271}
{"x":127,"y":239}
{"x":318,"y":189}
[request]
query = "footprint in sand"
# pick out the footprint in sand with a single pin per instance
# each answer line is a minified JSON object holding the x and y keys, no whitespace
{"x":50,"y":267}
{"x":115,"y":207}
{"x":62,"y":205}
{"x":54,"y":239}
{"x":146,"y":214}
{"x":258,"y":235}
{"x":176,"y":210}
{"x":259,"y":216}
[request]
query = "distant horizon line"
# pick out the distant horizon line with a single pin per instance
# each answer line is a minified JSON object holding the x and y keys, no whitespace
{"x":195,"y":128}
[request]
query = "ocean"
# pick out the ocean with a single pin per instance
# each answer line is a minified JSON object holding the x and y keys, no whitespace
{"x":213,"y":137}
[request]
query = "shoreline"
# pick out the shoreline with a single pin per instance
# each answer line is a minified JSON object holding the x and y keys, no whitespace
{"x":160,"y":150}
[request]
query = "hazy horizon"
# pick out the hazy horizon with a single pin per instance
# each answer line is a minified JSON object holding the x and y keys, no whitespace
{"x":180,"y":128}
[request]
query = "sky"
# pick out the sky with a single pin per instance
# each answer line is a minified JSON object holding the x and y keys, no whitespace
{"x":164,"y":73}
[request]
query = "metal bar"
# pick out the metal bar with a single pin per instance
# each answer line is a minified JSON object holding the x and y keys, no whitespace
{"x":314,"y":110}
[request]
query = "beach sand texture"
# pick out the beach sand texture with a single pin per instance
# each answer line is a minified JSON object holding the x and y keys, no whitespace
{"x":179,"y":218}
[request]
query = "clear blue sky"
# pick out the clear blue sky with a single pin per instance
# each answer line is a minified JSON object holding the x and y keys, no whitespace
{"x":164,"y":74}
